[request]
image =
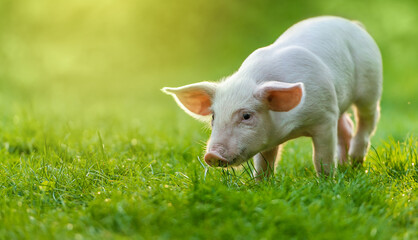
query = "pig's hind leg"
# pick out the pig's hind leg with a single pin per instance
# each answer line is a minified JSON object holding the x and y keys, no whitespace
{"x":367,"y":117}
{"x":345,"y":134}
{"x":264,"y":162}
{"x":367,"y":99}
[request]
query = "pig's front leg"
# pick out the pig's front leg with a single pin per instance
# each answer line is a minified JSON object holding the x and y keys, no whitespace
{"x":324,"y":148}
{"x":264,"y":163}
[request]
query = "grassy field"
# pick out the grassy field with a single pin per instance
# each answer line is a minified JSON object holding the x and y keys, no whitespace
{"x":90,"y":148}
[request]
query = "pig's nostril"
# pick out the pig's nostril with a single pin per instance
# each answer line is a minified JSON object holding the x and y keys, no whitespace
{"x":214,"y":159}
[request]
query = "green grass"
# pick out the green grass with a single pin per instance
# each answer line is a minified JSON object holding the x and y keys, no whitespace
{"x":75,"y":183}
{"x":90,"y":148}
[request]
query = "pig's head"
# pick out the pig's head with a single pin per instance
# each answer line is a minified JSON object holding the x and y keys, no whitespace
{"x":240,"y":115}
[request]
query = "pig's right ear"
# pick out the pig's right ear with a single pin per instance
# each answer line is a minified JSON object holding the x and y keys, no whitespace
{"x":195,"y":99}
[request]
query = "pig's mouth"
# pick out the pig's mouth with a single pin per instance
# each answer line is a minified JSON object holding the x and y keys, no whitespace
{"x":214,"y":159}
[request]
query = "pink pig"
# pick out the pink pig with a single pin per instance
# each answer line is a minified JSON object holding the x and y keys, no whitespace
{"x":301,"y":85}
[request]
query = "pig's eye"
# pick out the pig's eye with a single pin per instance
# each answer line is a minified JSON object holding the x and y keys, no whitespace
{"x":246,"y":116}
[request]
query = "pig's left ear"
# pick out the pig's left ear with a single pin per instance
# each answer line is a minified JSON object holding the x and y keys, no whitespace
{"x":195,"y":99}
{"x":280,"y":96}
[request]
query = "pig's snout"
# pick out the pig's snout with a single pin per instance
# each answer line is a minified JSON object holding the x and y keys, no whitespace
{"x":214,"y":159}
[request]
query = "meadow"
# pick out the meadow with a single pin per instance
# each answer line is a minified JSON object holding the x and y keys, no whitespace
{"x":90,"y":148}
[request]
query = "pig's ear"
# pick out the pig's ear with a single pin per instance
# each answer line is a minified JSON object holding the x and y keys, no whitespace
{"x":195,"y":99}
{"x":280,"y":96}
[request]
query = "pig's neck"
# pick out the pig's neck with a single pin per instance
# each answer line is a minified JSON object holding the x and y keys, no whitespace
{"x":285,"y":126}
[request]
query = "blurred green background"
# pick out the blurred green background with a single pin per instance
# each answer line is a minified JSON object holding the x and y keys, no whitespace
{"x":84,"y":62}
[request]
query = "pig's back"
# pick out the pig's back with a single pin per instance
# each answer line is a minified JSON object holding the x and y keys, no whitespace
{"x":348,"y":51}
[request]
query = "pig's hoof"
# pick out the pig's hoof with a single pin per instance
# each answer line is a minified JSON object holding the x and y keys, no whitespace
{"x":357,"y":162}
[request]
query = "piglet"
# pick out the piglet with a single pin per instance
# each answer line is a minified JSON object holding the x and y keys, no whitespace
{"x":301,"y":85}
